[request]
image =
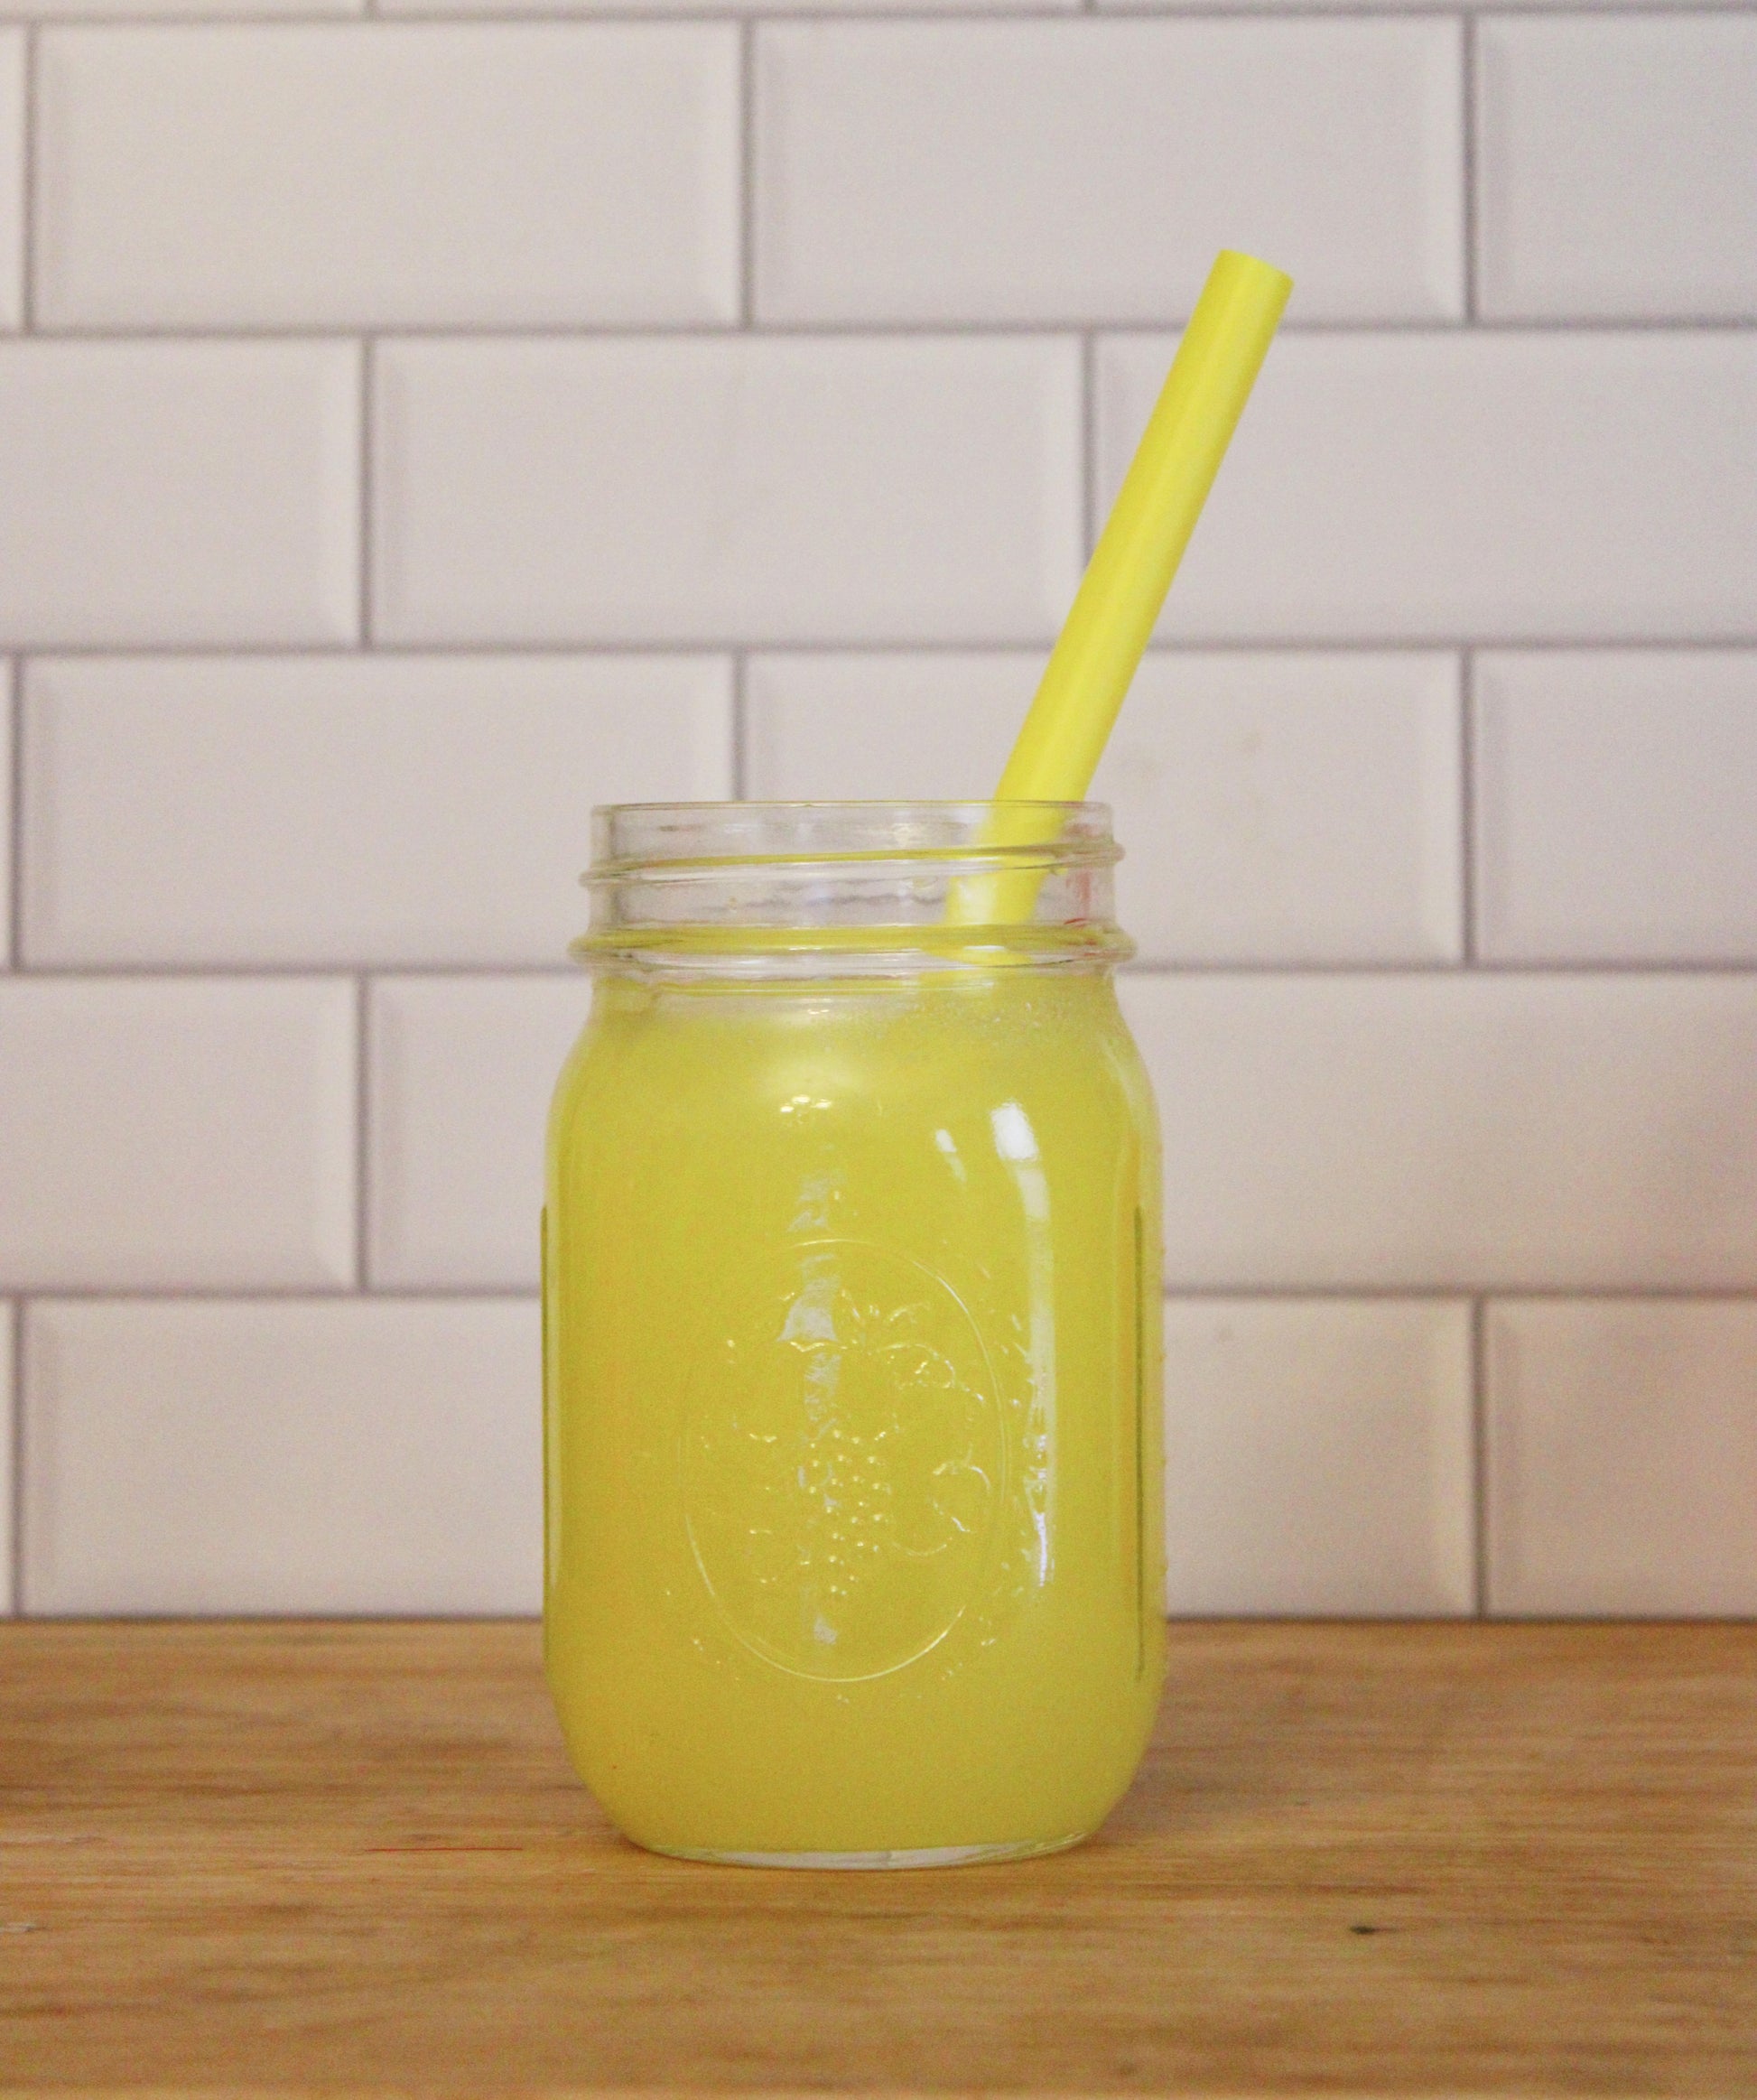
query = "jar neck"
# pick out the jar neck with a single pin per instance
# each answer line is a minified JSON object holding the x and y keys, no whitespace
{"x":743,"y":891}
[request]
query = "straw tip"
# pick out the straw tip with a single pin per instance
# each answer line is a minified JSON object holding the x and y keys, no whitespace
{"x":1234,"y":263}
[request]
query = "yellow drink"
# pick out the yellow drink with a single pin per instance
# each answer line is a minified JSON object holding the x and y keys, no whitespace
{"x":852,"y":1401}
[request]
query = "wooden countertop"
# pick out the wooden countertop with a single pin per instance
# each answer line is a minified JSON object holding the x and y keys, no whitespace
{"x":1405,"y":1859}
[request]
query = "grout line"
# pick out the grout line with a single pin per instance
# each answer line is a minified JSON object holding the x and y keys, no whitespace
{"x":368,"y":397}
{"x":181,"y":970}
{"x":747,"y":174}
{"x":953,"y":328}
{"x":373,"y":12}
{"x":16,"y":810}
{"x":292,"y":1295}
{"x":1088,"y":443}
{"x":585,"y":14}
{"x":396,"y":652}
{"x":15,"y":1570}
{"x":1487,"y":1294}
{"x":1468,"y":122}
{"x":1467,"y":804}
{"x":27,"y":259}
{"x":741,"y":730}
{"x":99,"y":16}
{"x":362,"y":1129}
{"x":1609,"y":966}
{"x":704,"y":11}
{"x":1476,"y":1293}
{"x":1479,"y":1458}
{"x":1219,"y":1294}
{"x":686,"y":649}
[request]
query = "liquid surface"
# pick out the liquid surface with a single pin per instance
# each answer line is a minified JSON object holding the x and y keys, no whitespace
{"x":852,"y":1408}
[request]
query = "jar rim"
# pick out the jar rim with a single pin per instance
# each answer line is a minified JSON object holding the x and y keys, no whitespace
{"x":890,"y":888}
{"x":630,"y":836}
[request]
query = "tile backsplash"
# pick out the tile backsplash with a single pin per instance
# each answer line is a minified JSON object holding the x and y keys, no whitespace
{"x":420,"y":422}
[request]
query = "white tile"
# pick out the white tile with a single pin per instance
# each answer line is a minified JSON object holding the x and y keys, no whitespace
{"x":1615,"y":793}
{"x":112,"y":10}
{"x":370,"y":176}
{"x":254,"y":1457}
{"x":1416,"y":486}
{"x":12,"y":177}
{"x":690,"y":489}
{"x":334,"y":809}
{"x":903,"y":724}
{"x":661,"y":7}
{"x":1404,"y":6}
{"x":1319,"y":1459}
{"x":1069,"y":171}
{"x":1272,"y":808}
{"x":8,"y":674}
{"x":175,"y":1133}
{"x":1285,"y":808}
{"x":1622,"y":1459}
{"x":462,"y":1073}
{"x":1444,"y":1131}
{"x":163,"y":492}
{"x":9,"y":1404}
{"x":1617,"y":171}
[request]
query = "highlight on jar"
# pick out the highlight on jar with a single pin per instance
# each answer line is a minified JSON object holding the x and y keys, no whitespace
{"x":852,"y":1433}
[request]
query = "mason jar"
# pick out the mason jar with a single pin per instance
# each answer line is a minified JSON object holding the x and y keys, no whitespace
{"x":853,"y":1549}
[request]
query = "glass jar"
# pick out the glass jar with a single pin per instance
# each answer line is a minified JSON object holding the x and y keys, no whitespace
{"x":853,"y":1430}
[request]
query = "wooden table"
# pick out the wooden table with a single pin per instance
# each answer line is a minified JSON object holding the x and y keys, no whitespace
{"x":1399,"y":1859}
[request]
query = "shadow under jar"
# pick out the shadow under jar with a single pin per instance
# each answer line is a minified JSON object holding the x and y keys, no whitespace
{"x":851,"y":1339}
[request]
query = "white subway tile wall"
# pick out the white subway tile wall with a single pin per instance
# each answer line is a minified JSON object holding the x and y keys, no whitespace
{"x":12,"y":177}
{"x":1620,"y":169}
{"x":1319,"y":1457}
{"x":362,"y":1455}
{"x":1411,"y":6}
{"x":1068,"y":172}
{"x":177,"y":1133}
{"x":1471,"y":485}
{"x":462,"y":1070}
{"x":1616,"y":806}
{"x":614,"y":153}
{"x":9,"y":1406}
{"x":366,"y":809}
{"x":1622,"y":1455}
{"x":414,"y":432}
{"x":737,"y":487}
{"x":166,"y":493}
{"x":1455,"y":1130}
{"x":8,"y":680}
{"x":200,"y":10}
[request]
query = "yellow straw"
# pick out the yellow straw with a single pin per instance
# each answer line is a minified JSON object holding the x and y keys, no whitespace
{"x":1096,"y":655}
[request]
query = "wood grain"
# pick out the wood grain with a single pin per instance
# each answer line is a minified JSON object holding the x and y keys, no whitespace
{"x":1385,"y":1859}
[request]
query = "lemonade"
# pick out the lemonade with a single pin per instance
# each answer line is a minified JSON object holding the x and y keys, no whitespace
{"x":853,"y":1428}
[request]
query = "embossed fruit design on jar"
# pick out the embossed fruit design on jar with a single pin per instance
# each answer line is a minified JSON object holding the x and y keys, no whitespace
{"x":852,"y":1368}
{"x":843,"y":1462}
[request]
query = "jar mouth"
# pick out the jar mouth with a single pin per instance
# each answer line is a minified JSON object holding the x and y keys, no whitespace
{"x":655,"y":837}
{"x":754,"y":890}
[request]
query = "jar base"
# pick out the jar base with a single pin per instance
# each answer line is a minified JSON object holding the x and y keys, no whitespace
{"x":933,"y":1855}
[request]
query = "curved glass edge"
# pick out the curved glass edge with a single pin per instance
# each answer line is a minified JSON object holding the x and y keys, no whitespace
{"x":726,"y":955}
{"x":748,"y":891}
{"x":937,"y":1856}
{"x":661,"y":834}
